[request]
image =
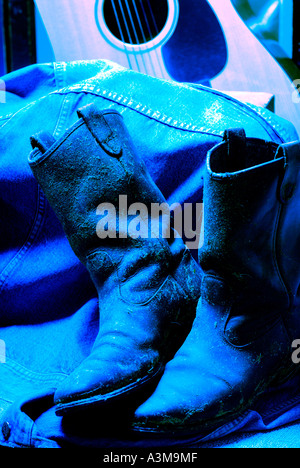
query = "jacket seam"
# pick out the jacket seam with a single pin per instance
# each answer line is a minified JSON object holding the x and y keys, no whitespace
{"x":33,"y":234}
{"x":60,"y":69}
{"x":142,"y":109}
{"x":62,"y":117}
{"x":28,"y":374}
{"x":251,"y":111}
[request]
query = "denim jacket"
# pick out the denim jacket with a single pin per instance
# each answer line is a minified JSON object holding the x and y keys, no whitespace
{"x":48,"y":304}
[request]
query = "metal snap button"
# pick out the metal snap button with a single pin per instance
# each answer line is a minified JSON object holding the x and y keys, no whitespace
{"x":6,"y":430}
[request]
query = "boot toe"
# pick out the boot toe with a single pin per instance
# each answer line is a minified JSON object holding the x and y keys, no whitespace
{"x":179,"y":405}
{"x":96,"y":381}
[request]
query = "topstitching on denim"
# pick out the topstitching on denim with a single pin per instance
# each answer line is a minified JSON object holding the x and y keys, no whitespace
{"x":49,"y":379}
{"x":272,"y":128}
{"x":64,"y":115}
{"x":259,"y":114}
{"x":60,"y":69}
{"x":8,"y":117}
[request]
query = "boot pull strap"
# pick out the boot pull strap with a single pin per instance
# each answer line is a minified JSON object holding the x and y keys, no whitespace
{"x":100,"y":129}
{"x":236,"y":148}
{"x":42,"y":141}
{"x":291,"y":154}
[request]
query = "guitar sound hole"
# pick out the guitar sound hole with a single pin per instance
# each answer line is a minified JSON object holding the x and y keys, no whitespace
{"x":135,"y":21}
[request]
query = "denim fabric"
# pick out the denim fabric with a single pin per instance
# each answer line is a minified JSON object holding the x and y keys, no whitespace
{"x":48,"y":304}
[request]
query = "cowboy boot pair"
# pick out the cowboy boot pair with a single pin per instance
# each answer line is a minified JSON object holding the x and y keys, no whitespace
{"x":241,"y":339}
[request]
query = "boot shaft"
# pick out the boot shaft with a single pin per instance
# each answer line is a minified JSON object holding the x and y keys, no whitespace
{"x":252,"y":220}
{"x":288,"y":236}
{"x":94,"y":163}
{"x":84,"y":176}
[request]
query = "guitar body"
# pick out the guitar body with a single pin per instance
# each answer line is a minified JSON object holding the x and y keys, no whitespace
{"x":197,"y":41}
{"x":250,"y":67}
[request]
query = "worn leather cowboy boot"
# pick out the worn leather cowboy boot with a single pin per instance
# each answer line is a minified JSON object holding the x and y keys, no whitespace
{"x":147,"y":282}
{"x":249,"y":311}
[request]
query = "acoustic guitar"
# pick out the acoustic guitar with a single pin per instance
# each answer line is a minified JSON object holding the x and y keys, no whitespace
{"x":196,"y":41}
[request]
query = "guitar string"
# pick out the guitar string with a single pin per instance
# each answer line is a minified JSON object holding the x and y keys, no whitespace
{"x":136,"y":36}
{"x":150,"y":32}
{"x":135,"y":33}
{"x":151,"y":38}
{"x":153,"y":17}
{"x":128,"y":33}
{"x":121,"y":32}
{"x":143,"y":35}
